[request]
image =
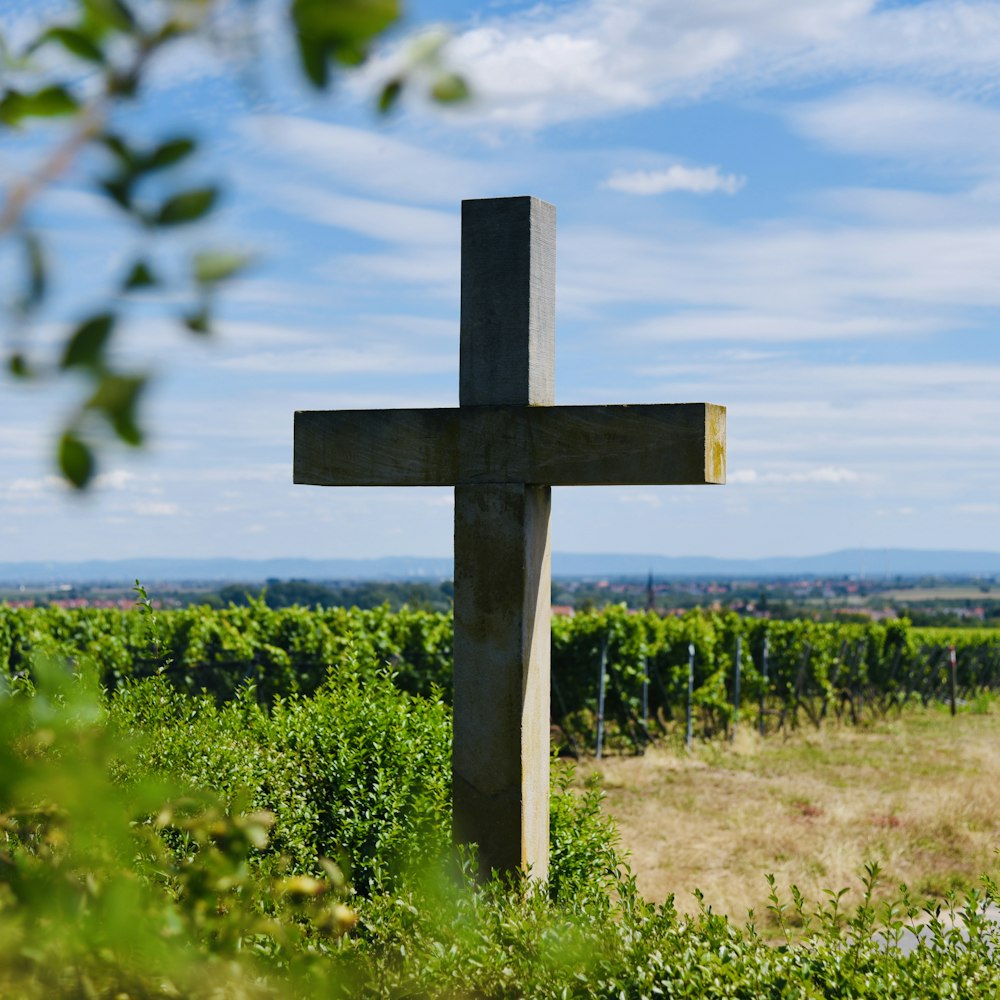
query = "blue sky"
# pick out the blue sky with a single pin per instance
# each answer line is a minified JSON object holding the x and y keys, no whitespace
{"x":790,"y":209}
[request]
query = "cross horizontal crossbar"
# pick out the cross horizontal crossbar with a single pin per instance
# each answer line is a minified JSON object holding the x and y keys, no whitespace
{"x":661,"y":444}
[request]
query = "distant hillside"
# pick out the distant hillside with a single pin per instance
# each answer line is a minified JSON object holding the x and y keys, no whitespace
{"x":225,"y":570}
{"x":848,"y":562}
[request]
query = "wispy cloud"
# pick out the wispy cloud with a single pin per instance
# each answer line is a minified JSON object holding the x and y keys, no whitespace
{"x":696,"y":180}
{"x":765,"y":327}
{"x":905,"y":124}
{"x":823,"y":474}
{"x":373,"y":160}
{"x":585,"y":59}
{"x":978,"y":508}
{"x":156,"y":508}
{"x":382,"y":220}
{"x":828,"y":279}
{"x":340,"y":360}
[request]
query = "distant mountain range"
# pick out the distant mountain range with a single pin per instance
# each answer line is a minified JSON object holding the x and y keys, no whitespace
{"x":847,"y":562}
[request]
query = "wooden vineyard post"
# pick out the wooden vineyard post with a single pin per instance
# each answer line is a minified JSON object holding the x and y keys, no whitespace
{"x":862,"y":668}
{"x":800,"y":680}
{"x":601,"y":689}
{"x":689,"y":734}
{"x":953,"y":657}
{"x":645,"y":699}
{"x":763,"y":687}
{"x":737,"y":667}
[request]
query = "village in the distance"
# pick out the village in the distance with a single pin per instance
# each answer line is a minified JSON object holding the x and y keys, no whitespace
{"x":972,"y":601}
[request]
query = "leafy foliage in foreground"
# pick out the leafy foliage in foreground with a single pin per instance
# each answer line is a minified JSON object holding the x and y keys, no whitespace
{"x":494,"y":943}
{"x":138,"y":888}
{"x":117,"y":881}
{"x":83,"y":66}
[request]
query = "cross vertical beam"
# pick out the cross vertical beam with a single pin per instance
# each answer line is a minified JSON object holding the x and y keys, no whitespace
{"x":500,"y":762}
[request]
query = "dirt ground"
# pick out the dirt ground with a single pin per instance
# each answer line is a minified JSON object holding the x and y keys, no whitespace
{"x":920,"y":795}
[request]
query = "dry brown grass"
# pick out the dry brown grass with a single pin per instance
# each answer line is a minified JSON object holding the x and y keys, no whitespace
{"x":920,"y":795}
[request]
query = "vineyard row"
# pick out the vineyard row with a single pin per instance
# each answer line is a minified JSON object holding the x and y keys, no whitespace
{"x":628,"y":673}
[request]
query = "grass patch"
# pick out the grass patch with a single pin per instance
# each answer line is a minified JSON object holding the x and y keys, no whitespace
{"x":919,"y":795}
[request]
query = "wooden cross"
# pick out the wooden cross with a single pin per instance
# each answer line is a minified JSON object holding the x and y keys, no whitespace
{"x":503,"y":448}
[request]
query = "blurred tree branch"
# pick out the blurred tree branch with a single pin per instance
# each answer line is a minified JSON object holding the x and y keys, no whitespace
{"x":105,"y":51}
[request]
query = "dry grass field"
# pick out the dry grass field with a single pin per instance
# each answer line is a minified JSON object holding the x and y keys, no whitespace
{"x":920,"y":795}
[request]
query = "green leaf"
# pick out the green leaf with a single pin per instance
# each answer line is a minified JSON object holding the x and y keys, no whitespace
{"x":188,"y":206}
{"x":49,"y":102}
{"x":450,"y":88}
{"x":390,"y":95}
{"x":76,"y":42}
{"x":120,"y":148}
{"x":117,"y":397}
{"x":350,"y":53}
{"x":86,"y":346}
{"x":313,"y":58}
{"x":141,"y":276}
{"x":17,"y":365}
{"x":199,"y":322}
{"x":127,"y":428}
{"x":76,"y":460}
{"x":213,"y":266}
{"x":107,"y":15}
{"x":169,"y":153}
{"x":353,"y":21}
{"x":119,"y":190}
{"x":341,"y":30}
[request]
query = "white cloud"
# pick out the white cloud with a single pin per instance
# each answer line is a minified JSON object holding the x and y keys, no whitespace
{"x":373,"y":160}
{"x":114,"y":479}
{"x":333,"y":360}
{"x":245,"y":333}
{"x":435,"y":271}
{"x":759,"y":327}
{"x":584,"y":59}
{"x":823,"y":474}
{"x":651,"y":500}
{"x":27,"y":486}
{"x":770,"y":280}
{"x":156,"y":508}
{"x":376,"y":219}
{"x":696,"y":180}
{"x":905,"y":124}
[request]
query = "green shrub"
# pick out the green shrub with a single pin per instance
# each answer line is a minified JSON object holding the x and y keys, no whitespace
{"x":94,"y":904}
{"x":358,"y":770}
{"x":117,"y":881}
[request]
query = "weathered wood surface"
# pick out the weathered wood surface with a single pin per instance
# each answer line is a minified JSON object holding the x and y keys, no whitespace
{"x":502,"y":449}
{"x":500,"y":756}
{"x":667,"y":444}
{"x":508,"y":320}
